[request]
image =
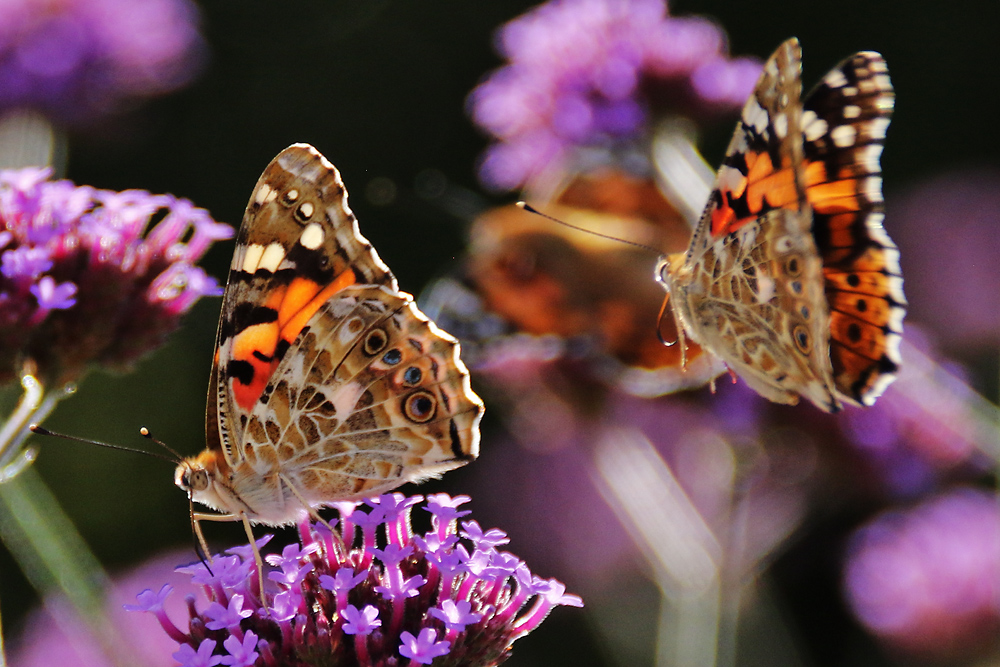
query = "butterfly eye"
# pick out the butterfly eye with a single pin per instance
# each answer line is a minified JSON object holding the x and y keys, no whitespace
{"x":802,"y":339}
{"x":375,"y":341}
{"x":412,"y":376}
{"x":419,"y":406}
{"x":195,"y":480}
{"x":392,"y":357}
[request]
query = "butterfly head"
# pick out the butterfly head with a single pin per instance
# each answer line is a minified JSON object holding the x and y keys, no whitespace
{"x":198,"y":476}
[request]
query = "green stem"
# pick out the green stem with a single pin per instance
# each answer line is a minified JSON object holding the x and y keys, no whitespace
{"x":54,"y":557}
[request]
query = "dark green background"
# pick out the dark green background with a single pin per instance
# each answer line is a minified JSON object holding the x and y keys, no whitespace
{"x":379,"y":87}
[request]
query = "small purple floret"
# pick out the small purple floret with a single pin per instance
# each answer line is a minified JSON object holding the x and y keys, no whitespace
{"x":362,"y":622}
{"x":423,"y":649}
{"x":203,"y":657}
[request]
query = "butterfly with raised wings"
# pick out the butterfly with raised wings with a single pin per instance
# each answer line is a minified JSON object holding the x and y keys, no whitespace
{"x":790,"y":277}
{"x":328,"y":383}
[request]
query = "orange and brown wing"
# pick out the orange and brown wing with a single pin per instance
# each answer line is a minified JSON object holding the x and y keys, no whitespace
{"x":760,"y":170}
{"x":844,"y":123}
{"x":298,"y":246}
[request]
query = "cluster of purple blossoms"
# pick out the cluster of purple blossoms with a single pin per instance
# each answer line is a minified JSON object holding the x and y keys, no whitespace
{"x":415,"y":600}
{"x":927,"y":579}
{"x":593,"y":73}
{"x":85,"y":278}
{"x":75,"y":60}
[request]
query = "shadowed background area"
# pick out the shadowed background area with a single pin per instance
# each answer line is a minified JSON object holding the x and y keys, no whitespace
{"x":379,"y":87}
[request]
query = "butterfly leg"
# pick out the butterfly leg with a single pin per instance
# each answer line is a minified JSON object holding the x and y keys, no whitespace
{"x":258,"y":561}
{"x":338,"y":542}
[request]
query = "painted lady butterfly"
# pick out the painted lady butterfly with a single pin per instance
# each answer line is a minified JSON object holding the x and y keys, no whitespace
{"x":789,"y":277}
{"x":328,"y":383}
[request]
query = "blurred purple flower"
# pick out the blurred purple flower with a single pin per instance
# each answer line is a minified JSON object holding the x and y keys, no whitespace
{"x":370,"y":606}
{"x":77,"y":60}
{"x":927,"y":579}
{"x":53,"y":635}
{"x":929,"y":423}
{"x":950,"y":270}
{"x":592,"y":73}
{"x":93,"y":276}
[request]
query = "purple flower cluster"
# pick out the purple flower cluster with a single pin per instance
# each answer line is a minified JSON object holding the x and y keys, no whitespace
{"x":85,"y":278}
{"x":75,"y":60}
{"x":592,"y":72}
{"x":416,"y":599}
{"x":927,"y":579}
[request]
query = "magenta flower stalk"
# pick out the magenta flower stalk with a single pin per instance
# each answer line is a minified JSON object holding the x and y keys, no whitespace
{"x":595,"y":73}
{"x":79,"y":60}
{"x":447,"y":597}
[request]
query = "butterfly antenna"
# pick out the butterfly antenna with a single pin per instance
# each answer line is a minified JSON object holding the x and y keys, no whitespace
{"x":530,"y":209}
{"x":144,"y":432}
{"x":35,"y":428}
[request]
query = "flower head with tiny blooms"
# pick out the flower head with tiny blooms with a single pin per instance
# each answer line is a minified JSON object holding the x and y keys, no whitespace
{"x":586,"y":73}
{"x":92,"y":276}
{"x":447,"y":597}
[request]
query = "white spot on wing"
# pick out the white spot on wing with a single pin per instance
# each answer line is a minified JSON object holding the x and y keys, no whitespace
{"x":868,"y":158}
{"x":312,"y":236}
{"x":815,"y":129}
{"x":262,"y":193}
{"x":345,"y":398}
{"x":781,"y":125}
{"x":843,"y":135}
{"x":251,"y":259}
{"x":835,"y":79}
{"x":307,"y":209}
{"x":755,"y":116}
{"x":852,"y":111}
{"x":872,"y":188}
{"x":730,"y":179}
{"x":765,"y":287}
{"x":877,"y":128}
{"x":272,"y":257}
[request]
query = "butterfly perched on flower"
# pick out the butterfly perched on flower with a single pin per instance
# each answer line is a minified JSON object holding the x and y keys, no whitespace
{"x":790,"y":277}
{"x":328,"y":383}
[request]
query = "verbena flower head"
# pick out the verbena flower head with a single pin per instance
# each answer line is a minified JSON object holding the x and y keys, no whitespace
{"x":88,"y":277}
{"x":446,"y":597}
{"x":927,"y":579}
{"x":594,"y":72}
{"x":75,"y":60}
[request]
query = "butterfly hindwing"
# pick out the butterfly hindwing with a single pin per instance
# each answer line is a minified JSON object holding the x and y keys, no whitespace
{"x":370,"y":395}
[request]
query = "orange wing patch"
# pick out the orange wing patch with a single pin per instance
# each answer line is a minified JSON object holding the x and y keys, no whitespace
{"x":258,"y":344}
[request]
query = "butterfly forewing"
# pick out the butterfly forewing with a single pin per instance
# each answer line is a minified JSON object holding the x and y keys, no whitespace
{"x":298,"y":245}
{"x":307,"y":400}
{"x":845,"y":122}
